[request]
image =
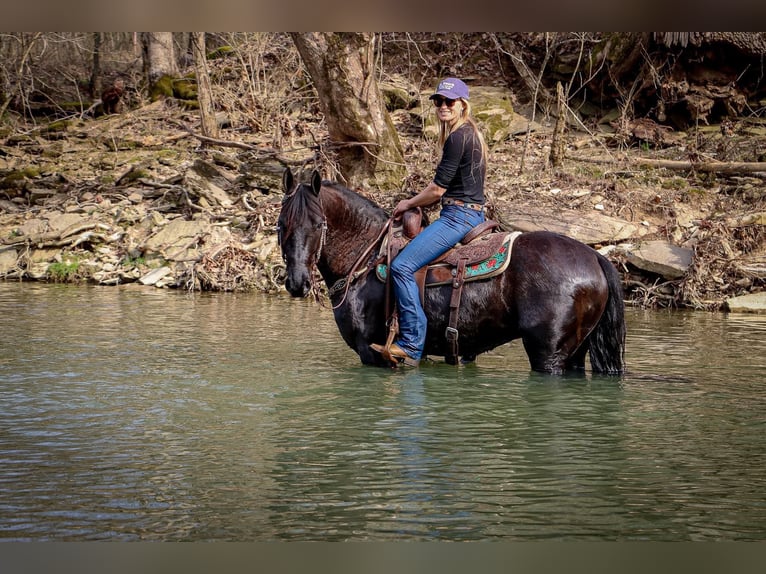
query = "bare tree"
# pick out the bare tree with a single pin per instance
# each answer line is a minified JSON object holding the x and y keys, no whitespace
{"x":159,"y":61}
{"x":342,"y":71}
{"x":95,"y":73}
{"x":26,"y":46}
{"x":204,"y":91}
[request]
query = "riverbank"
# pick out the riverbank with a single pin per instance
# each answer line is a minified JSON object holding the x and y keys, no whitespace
{"x":135,"y":197}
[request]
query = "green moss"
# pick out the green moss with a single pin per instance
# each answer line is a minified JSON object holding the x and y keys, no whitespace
{"x":675,"y":183}
{"x":134,"y":175}
{"x":17,"y":178}
{"x":64,"y":271}
{"x":130,"y":262}
{"x":220,"y":52}
{"x":162,"y":88}
{"x":185,"y":89}
{"x":590,"y":171}
{"x":12,"y":180}
{"x":57,"y":126}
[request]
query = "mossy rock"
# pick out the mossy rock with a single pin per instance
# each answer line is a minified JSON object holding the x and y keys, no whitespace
{"x":220,"y":52}
{"x":185,"y":89}
{"x":13,"y":179}
{"x":18,"y":178}
{"x":162,"y":88}
{"x":397,"y":96}
{"x":189,"y":104}
{"x":493,"y":110}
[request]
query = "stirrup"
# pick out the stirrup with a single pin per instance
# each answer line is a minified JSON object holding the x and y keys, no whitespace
{"x":394,"y":360}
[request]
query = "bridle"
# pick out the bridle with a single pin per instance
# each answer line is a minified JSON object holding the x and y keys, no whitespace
{"x":356,"y":272}
{"x":322,"y":237}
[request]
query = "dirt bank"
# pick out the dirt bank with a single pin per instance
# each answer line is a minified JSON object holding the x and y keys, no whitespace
{"x":93,"y":200}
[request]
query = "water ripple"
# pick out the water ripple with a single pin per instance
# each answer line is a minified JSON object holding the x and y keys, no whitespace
{"x":134,"y":414}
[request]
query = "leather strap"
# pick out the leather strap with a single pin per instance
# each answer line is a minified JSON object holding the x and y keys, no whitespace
{"x":454,"y":305}
{"x":420,"y":279}
{"x":479,"y":230}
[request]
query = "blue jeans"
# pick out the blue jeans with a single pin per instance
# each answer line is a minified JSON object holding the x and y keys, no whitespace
{"x":436,"y":239}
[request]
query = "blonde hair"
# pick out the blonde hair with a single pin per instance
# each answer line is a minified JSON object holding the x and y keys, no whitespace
{"x":446,"y":129}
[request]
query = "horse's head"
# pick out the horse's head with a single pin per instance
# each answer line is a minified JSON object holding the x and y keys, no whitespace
{"x":301,"y":230}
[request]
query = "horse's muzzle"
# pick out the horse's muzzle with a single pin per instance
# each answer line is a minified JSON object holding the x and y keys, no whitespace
{"x":299,"y":287}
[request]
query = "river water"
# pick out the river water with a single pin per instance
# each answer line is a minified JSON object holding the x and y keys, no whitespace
{"x":133,"y":413}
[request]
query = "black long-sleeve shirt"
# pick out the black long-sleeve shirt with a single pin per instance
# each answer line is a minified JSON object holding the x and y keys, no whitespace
{"x":462,"y":168}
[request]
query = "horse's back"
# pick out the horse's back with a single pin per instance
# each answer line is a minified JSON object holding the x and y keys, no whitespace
{"x":556,"y":279}
{"x":545,"y":257}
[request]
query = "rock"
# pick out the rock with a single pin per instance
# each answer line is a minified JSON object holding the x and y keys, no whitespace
{"x":590,"y":228}
{"x":8,"y":259}
{"x":61,"y":222}
{"x":43,"y":255}
{"x":398,"y":93}
{"x":32,"y":227}
{"x":209,"y":183}
{"x":749,"y":219}
{"x":751,"y":303}
{"x":9,"y":206}
{"x":665,"y":259}
{"x":154,"y":276}
{"x":493,"y":110}
{"x":174,"y":240}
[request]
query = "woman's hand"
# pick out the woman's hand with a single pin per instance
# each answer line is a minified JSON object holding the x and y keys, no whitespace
{"x":401,"y":207}
{"x":431,"y":194}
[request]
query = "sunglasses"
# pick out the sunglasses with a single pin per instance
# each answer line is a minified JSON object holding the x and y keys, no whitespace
{"x":438,"y":101}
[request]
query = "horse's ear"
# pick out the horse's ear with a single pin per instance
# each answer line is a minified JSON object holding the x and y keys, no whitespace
{"x":287,"y":180}
{"x":316,"y":182}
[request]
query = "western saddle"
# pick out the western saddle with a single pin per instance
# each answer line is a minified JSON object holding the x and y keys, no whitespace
{"x":481,"y":254}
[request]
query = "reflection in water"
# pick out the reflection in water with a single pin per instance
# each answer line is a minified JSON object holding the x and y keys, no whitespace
{"x":133,"y":413}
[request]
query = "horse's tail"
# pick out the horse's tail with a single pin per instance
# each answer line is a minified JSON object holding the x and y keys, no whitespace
{"x":607,"y":341}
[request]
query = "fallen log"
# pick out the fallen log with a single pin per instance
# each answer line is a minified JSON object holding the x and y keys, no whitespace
{"x":737,"y":167}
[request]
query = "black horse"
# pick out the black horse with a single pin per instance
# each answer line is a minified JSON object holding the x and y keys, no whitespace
{"x":561,"y":297}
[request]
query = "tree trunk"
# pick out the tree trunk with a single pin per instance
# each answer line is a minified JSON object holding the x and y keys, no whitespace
{"x":159,"y":62}
{"x":342,"y":71}
{"x":557,"y":141}
{"x":204,"y":91}
{"x":95,"y":72}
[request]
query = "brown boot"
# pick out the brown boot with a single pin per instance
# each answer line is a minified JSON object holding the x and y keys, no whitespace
{"x":395,"y":354}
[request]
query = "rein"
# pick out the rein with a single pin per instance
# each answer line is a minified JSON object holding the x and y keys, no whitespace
{"x":355,"y":272}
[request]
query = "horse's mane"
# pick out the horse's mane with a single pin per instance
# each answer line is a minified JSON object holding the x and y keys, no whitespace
{"x":365,"y":206}
{"x":303,"y":202}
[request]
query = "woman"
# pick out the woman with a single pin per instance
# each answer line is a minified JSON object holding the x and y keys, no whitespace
{"x":459,"y":183}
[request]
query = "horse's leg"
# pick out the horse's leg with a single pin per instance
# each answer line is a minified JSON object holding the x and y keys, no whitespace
{"x":556,"y":346}
{"x":577,"y":361}
{"x":543,"y":357}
